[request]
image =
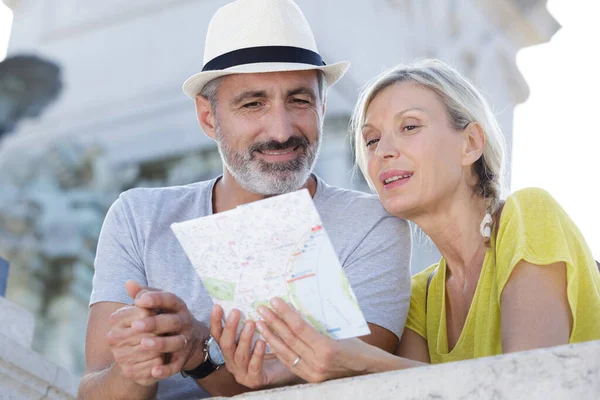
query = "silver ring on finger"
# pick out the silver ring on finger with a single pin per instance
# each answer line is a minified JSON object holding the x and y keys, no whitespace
{"x":296,"y":361}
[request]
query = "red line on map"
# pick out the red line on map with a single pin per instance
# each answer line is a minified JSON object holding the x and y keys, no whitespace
{"x":301,"y":277}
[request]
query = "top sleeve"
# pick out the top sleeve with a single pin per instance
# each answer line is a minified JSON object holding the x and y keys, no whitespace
{"x":118,"y":257}
{"x":379,"y":272}
{"x":534,"y":228}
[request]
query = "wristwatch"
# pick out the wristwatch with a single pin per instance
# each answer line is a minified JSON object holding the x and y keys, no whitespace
{"x":213,"y":360}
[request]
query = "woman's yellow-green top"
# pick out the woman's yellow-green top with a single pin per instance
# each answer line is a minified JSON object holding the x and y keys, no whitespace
{"x":533,"y":227}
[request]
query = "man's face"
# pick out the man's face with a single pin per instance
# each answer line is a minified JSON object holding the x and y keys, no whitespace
{"x":268,"y":129}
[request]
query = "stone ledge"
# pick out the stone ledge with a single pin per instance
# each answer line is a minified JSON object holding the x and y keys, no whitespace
{"x":571,"y":371}
{"x":25,"y":374}
{"x":16,"y":323}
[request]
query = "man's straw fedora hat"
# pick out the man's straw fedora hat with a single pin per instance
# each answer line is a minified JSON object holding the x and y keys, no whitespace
{"x":253,"y":36}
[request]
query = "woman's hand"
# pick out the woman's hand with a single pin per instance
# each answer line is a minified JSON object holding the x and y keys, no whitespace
{"x":307,"y":353}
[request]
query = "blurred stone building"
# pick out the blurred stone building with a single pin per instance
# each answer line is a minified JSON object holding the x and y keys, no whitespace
{"x":122,"y":120}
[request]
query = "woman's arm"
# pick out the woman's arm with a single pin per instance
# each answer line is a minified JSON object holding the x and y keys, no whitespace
{"x":320,"y":357}
{"x":413,"y":347}
{"x":535,"y":308}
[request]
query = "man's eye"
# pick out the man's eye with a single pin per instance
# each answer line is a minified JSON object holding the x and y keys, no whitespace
{"x":253,"y":104}
{"x":300,"y":101}
{"x":371,"y":142}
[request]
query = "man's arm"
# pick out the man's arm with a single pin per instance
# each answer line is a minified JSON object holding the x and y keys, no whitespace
{"x":103,"y":378}
{"x":138,"y":368}
{"x":413,"y":347}
{"x":177,"y":320}
{"x":381,"y":337}
{"x":379,"y":273}
{"x":110,"y":358}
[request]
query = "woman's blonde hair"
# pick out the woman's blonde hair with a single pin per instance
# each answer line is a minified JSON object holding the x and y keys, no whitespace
{"x":464,"y":104}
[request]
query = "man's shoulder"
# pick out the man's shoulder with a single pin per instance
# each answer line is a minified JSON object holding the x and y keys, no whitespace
{"x":171,"y":202}
{"x":170,"y":194}
{"x":345,"y":201}
{"x":347,"y":210}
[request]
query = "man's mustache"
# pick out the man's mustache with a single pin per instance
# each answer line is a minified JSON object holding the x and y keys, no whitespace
{"x":273,"y":145}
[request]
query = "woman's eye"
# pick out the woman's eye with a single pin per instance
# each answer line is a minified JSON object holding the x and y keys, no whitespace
{"x":371,"y":142}
{"x":410,"y":127}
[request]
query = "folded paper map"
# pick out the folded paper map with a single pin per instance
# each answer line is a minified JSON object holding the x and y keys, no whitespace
{"x":275,"y":247}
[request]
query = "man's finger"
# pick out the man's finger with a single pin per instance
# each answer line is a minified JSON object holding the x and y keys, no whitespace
{"x":122,"y":337}
{"x":256,"y":362}
{"x":124,"y":316}
{"x":160,"y":300}
{"x":133,"y":288}
{"x":141,"y":372}
{"x":134,"y":354}
{"x":216,"y":322}
{"x":242,"y":353}
{"x":227,"y":342}
{"x":160,"y":324}
{"x":172,"y":368}
{"x":164,"y":344}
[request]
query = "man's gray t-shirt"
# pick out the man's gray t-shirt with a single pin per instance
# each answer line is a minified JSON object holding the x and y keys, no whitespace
{"x":137,"y":243}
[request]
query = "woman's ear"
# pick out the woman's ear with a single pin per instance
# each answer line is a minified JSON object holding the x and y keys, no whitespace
{"x":474,"y":143}
{"x":206,"y":116}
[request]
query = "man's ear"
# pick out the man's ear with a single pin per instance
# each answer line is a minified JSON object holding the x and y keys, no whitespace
{"x":206,"y":116}
{"x":474,"y":143}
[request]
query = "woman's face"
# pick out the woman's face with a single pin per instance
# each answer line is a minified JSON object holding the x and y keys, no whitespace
{"x":415,"y":158}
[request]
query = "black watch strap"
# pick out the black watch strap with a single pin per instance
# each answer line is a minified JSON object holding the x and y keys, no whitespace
{"x":206,"y":367}
{"x":201,"y":371}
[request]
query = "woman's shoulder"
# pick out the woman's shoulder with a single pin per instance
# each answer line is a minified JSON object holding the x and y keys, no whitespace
{"x":532,"y":198}
{"x":534,"y":228}
{"x":532,"y":208}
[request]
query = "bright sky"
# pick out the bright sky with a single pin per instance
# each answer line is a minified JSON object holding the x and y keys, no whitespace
{"x":557,"y":131}
{"x":5,"y":24}
{"x":556,"y":135}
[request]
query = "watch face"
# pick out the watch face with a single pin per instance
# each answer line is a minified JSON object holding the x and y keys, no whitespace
{"x":214,"y":352}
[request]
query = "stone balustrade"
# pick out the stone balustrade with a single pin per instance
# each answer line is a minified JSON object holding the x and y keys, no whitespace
{"x":565,"y":372}
{"x":25,"y":374}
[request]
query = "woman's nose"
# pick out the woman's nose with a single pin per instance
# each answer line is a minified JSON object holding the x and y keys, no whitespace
{"x":387,"y":148}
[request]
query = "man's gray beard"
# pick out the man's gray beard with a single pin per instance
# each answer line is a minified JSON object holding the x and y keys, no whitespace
{"x":260,"y":177}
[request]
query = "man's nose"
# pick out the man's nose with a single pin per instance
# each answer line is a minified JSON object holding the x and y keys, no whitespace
{"x":280,"y":127}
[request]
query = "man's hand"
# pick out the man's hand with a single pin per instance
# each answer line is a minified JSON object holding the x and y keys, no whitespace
{"x":250,"y":368}
{"x":132,"y":361}
{"x":173,"y":331}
